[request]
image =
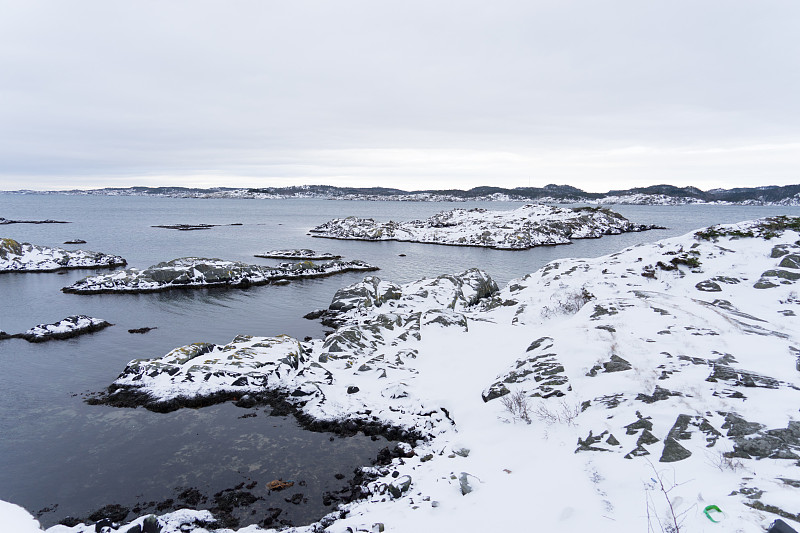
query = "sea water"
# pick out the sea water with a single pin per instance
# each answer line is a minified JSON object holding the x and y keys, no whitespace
{"x":63,"y":457}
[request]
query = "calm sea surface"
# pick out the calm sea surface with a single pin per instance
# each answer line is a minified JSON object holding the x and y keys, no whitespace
{"x":55,"y":449}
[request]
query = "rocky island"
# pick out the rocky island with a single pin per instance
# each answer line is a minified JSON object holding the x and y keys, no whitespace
{"x":518,"y":229}
{"x":72,"y":326}
{"x":303,"y":253}
{"x":196,"y":272}
{"x":26,"y":257}
{"x":48,"y":221}
{"x":658,"y":386}
{"x":194,"y":227}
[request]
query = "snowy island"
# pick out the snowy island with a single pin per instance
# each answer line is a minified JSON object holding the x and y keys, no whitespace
{"x":196,"y":272}
{"x":72,"y":326}
{"x":653,"y":389}
{"x":518,"y":229}
{"x":303,"y":253}
{"x":26,"y":257}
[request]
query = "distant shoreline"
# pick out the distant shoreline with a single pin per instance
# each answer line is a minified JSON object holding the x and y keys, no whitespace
{"x":787,"y":195}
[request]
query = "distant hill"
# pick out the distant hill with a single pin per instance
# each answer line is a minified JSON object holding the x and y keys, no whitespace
{"x":654,"y":194}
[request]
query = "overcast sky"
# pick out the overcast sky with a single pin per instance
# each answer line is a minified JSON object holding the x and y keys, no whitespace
{"x":410,"y":94}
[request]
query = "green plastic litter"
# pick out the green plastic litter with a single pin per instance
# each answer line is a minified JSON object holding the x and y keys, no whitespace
{"x":712,"y":508}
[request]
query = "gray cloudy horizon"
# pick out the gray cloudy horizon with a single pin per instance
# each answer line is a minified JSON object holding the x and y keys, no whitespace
{"x":598,"y":95}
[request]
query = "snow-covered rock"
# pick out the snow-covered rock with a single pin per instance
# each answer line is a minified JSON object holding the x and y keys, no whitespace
{"x":195,"y":272}
{"x":303,"y":253}
{"x":455,"y":292}
{"x":69,"y":327}
{"x":26,"y":257}
{"x":376,"y":339}
{"x":644,"y":390}
{"x":522,"y":228}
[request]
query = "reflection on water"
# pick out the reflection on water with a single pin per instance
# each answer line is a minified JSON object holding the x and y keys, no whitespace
{"x":56,"y":449}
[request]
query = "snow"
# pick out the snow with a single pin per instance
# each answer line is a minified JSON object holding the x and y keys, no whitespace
{"x":14,"y":518}
{"x":68,"y":327}
{"x":518,"y":229}
{"x":26,"y":257}
{"x":674,"y":345}
{"x":194,"y":272}
{"x":303,"y":253}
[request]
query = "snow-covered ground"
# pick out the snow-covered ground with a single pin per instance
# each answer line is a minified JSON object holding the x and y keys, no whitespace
{"x":654,"y":389}
{"x":518,"y":229}
{"x":26,"y":257}
{"x":197,"y":272}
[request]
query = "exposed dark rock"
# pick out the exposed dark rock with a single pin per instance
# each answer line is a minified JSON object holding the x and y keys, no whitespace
{"x":166,"y":504}
{"x":774,"y":443}
{"x":272,"y":515}
{"x":658,"y":395}
{"x":70,"y":521}
{"x":247,"y":401}
{"x":615,"y":364}
{"x":192,"y":227}
{"x":673,"y":451}
{"x":227,"y":499}
{"x":401,"y":485}
{"x":610,"y":400}
{"x":192,"y":497}
{"x":790,"y":261}
{"x":544,"y":373}
{"x":141,"y":330}
{"x":113,"y":512}
{"x":646,"y":438}
{"x":774,"y":277}
{"x":685,"y":425}
{"x":708,"y":286}
{"x":295,"y":499}
{"x":642,"y":423}
{"x":588,"y":444}
{"x":779,"y":250}
{"x":742,"y":378}
{"x":756,"y":504}
{"x":738,"y":426}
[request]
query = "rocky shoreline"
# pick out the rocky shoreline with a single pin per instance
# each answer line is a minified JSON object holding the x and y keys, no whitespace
{"x":26,"y":257}
{"x":519,"y":229}
{"x":200,"y":273}
{"x":549,"y":194}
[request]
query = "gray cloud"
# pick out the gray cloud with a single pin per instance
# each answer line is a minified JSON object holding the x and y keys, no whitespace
{"x":408,"y":94}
